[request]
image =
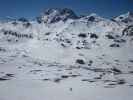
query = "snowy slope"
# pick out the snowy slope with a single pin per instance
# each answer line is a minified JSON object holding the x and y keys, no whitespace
{"x":73,"y":58}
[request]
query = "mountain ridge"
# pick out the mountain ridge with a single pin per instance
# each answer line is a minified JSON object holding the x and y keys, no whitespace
{"x":72,"y":15}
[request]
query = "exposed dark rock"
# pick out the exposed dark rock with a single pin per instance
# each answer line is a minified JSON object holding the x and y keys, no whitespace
{"x":93,"y":36}
{"x":114,"y":45}
{"x":57,"y":80}
{"x":116,"y":71}
{"x":91,"y":18}
{"x":10,"y":75}
{"x":16,"y":34}
{"x":88,"y":80}
{"x":78,"y":47}
{"x":9,"y":40}
{"x":14,"y":23}
{"x":27,"y":24}
{"x":56,"y":15}
{"x":90,"y":63}
{"x":74,"y":76}
{"x":110,"y":36}
{"x":63,"y":45}
{"x":83,"y":35}
{"x":48,"y":33}
{"x":131,"y":61}
{"x":3,"y":79}
{"x":112,"y":84}
{"x":121,"y":82}
{"x":70,"y":89}
{"x":64,"y":76}
{"x":23,"y":19}
{"x":128,"y":31}
{"x":38,"y":63}
{"x":39,"y":20}
{"x":80,"y":61}
{"x":2,"y":49}
{"x":120,"y":40}
{"x":127,"y":19}
{"x":46,"y":79}
{"x":36,"y":70}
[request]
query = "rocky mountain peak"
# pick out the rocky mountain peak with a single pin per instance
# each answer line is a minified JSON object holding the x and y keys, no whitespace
{"x":56,"y":14}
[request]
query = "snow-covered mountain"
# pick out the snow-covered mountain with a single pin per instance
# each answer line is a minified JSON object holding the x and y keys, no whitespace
{"x":125,"y":18}
{"x":61,"y":47}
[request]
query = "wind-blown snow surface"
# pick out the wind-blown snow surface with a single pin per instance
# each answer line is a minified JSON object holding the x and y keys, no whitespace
{"x":73,"y":59}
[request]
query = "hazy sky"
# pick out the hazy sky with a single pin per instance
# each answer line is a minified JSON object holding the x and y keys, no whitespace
{"x":32,"y":8}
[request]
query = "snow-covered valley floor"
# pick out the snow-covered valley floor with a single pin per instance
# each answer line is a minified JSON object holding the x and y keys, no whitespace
{"x":69,"y":89}
{"x":34,"y":74}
